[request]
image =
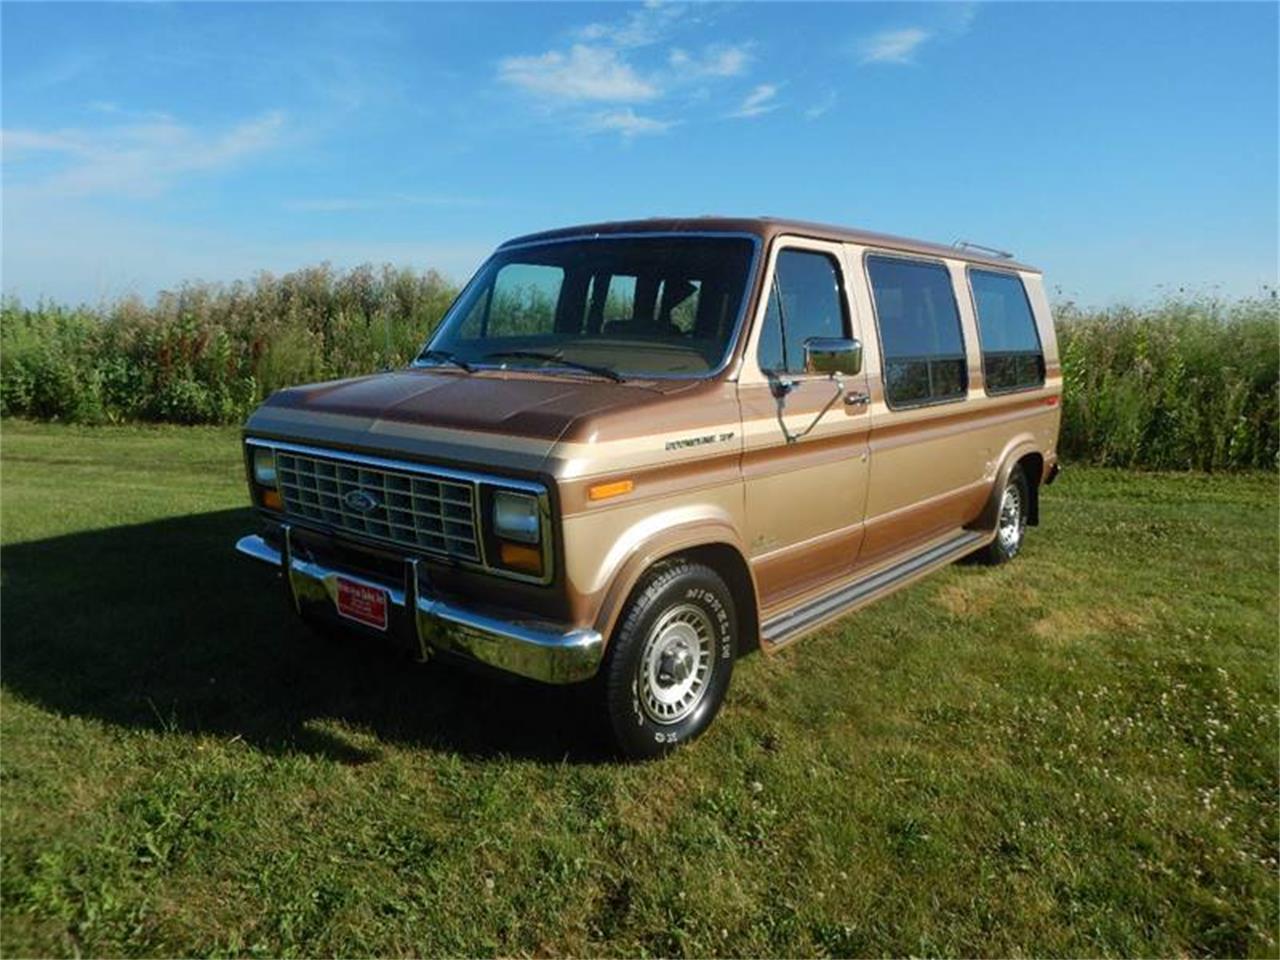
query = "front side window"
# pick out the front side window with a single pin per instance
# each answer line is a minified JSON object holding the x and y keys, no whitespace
{"x":1012,"y":358}
{"x":924,"y":358}
{"x":805,"y":301}
{"x":634,"y":306}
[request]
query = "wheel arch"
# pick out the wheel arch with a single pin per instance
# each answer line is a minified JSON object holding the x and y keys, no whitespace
{"x":714,"y":546}
{"x":1020,"y":453}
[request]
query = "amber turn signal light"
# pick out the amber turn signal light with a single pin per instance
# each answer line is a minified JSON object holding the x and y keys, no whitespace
{"x":603,"y":491}
{"x":271,"y":499}
{"x":518,"y":556}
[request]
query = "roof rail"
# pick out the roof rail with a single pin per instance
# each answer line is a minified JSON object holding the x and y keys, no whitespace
{"x":966,"y":245}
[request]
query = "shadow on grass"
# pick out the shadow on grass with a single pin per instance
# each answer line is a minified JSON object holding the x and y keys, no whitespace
{"x":163,"y":626}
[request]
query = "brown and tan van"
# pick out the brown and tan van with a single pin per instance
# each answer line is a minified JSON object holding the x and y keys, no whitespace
{"x":633,"y":451}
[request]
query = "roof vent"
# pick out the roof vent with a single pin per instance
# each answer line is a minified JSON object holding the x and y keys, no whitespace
{"x":966,"y":245}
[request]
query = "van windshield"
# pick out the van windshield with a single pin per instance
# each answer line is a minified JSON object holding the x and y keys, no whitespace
{"x":620,"y":307}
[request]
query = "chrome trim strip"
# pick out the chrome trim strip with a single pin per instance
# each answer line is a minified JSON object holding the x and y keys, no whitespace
{"x":788,"y":624}
{"x":731,"y":345}
{"x":413,"y":590}
{"x":537,"y":649}
{"x":255,"y":548}
{"x":389,"y":464}
{"x":466,"y":476}
{"x":286,"y":565}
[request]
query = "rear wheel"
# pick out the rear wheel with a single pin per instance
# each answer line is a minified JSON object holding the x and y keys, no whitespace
{"x":1011,"y":519}
{"x":670,"y":660}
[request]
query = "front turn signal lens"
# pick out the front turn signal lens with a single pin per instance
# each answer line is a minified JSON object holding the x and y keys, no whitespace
{"x":271,"y":500}
{"x":603,"y":491}
{"x":518,"y":556}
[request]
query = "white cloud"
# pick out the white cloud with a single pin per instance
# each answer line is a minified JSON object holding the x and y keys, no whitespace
{"x":892,"y":46}
{"x":959,"y":17}
{"x":821,"y":107}
{"x":628,"y":123}
{"x":614,"y":64}
{"x":586,"y":73}
{"x":31,"y":141}
{"x":639,"y":28}
{"x":948,"y":21}
{"x":759,"y":101}
{"x":140,"y":158}
{"x":716,"y":61}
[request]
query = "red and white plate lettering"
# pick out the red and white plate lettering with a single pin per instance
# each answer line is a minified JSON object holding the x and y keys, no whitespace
{"x":362,"y":603}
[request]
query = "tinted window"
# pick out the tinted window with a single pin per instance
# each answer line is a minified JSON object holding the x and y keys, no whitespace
{"x":924,"y":360}
{"x":522,"y":301}
{"x":620,"y":300}
{"x":637,"y":305}
{"x":1011,"y":353}
{"x":805,"y":302}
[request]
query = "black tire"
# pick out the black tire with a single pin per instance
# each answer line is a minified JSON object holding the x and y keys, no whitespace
{"x":680,"y":611}
{"x":1010,"y":531}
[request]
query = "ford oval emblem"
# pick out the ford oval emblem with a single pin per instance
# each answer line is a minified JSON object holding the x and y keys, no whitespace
{"x":361,"y":501}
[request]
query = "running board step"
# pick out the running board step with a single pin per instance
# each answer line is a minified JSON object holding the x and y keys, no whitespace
{"x":787,"y":625}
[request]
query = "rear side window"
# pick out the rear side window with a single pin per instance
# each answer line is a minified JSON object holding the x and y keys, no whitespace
{"x":805,"y":302}
{"x":1012,"y":358}
{"x":924,"y":359}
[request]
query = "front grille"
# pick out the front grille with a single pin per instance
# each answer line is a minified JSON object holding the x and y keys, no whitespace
{"x":424,"y":512}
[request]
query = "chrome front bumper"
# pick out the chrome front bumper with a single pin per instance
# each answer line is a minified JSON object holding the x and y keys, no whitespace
{"x":531,"y":648}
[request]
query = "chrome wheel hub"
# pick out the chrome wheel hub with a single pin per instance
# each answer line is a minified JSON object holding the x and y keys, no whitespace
{"x":676,"y":664}
{"x":1012,"y":522}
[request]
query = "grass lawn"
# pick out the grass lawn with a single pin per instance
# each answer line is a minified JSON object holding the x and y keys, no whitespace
{"x":1072,"y":754}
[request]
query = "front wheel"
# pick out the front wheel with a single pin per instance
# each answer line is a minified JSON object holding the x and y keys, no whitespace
{"x":671,"y":659}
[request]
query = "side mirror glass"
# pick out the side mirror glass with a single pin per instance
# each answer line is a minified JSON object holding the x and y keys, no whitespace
{"x":832,"y":355}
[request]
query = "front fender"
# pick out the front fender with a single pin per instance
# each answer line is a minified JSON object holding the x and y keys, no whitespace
{"x":655,"y":537}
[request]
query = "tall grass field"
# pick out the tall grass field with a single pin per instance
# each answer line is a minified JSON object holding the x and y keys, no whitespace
{"x":1183,"y":384}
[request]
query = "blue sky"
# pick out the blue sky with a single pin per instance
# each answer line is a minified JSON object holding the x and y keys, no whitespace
{"x":1125,"y":148}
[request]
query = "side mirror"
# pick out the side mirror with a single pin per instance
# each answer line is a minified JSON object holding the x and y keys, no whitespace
{"x":832,"y":355}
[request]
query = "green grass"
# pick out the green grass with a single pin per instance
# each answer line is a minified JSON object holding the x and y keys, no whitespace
{"x":1073,"y":754}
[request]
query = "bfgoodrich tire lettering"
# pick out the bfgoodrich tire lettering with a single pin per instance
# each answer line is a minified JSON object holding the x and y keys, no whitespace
{"x":670,"y":660}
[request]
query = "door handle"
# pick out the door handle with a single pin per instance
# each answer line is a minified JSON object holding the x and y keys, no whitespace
{"x":856,"y":398}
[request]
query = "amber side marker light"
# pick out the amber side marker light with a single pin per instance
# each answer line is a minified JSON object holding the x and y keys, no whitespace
{"x":271,"y":499}
{"x":603,"y":491}
{"x":517,"y":556}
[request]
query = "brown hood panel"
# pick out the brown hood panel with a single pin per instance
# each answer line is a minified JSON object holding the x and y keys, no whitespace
{"x":527,"y":406}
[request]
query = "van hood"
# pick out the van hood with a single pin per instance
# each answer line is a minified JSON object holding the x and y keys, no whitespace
{"x":508,"y":419}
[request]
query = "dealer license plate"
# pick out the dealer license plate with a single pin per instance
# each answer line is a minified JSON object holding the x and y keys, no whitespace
{"x":362,"y":603}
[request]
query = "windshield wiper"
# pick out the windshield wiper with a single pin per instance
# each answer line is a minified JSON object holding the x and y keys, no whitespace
{"x":559,"y":358}
{"x":447,"y":357}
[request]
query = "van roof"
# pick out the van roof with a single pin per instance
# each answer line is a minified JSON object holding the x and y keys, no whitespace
{"x":766,"y":228}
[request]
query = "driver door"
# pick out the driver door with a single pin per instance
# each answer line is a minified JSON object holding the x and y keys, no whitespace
{"x":805,"y":459}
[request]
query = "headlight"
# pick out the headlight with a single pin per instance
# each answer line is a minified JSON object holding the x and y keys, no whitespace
{"x":264,"y":466}
{"x":515,"y":517}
